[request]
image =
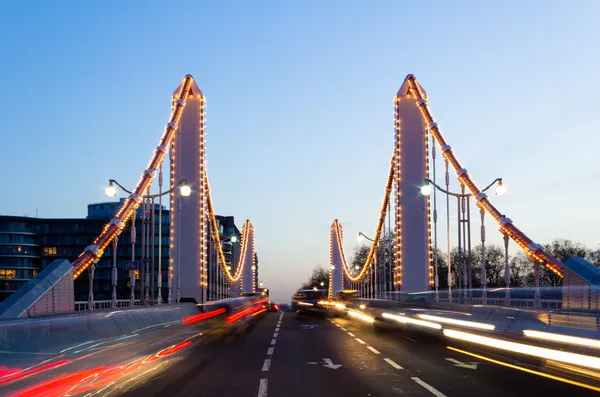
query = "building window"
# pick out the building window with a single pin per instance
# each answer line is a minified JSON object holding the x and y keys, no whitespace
{"x":49,"y":251}
{"x":8,"y":273}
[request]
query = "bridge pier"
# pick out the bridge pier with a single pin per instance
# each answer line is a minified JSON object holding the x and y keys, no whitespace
{"x":189,"y":222}
{"x":413,"y":270}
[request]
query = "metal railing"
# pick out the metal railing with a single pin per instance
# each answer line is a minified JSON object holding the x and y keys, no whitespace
{"x":520,"y":303}
{"x":106,"y":305}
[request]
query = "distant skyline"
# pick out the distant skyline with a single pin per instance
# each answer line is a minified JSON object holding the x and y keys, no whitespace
{"x":299,"y":109}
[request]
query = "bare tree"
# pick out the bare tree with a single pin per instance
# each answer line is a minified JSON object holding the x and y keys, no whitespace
{"x":319,"y":275}
{"x":361,"y":252}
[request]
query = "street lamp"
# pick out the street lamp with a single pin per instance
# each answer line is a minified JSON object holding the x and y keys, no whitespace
{"x":111,"y":191}
{"x":360,"y":236}
{"x":426,"y":189}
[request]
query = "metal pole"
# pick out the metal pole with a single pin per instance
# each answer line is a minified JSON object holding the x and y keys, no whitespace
{"x":465,"y":260}
{"x":113,"y":302}
{"x":91,"y":270}
{"x":147,"y":262}
{"x":152,"y":295}
{"x":459,"y":252}
{"x":132,"y":272}
{"x":160,"y":181}
{"x":536,"y":273}
{"x":483,"y":271}
{"x":448,"y":233}
{"x":143,"y":264}
{"x":469,"y":254}
{"x":435,"y":248}
{"x":506,"y":270}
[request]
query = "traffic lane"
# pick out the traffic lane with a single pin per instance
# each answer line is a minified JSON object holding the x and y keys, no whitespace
{"x":228,"y":366}
{"x":454,"y":373}
{"x":114,"y":360}
{"x":306,"y":359}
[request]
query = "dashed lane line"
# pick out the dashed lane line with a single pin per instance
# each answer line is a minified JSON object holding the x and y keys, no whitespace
{"x":360,"y":341}
{"x":270,"y":351}
{"x":262,"y":389}
{"x":267,"y":364}
{"x":373,"y":349}
{"x":430,"y":388}
{"x":392,"y":363}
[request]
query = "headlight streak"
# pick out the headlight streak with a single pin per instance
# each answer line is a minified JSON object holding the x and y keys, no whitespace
{"x":410,"y":320}
{"x":361,"y":316}
{"x":560,"y":338}
{"x":531,"y":371}
{"x":535,"y":351}
{"x":471,"y":324}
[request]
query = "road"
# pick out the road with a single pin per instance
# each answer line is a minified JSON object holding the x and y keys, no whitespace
{"x":283,"y":355}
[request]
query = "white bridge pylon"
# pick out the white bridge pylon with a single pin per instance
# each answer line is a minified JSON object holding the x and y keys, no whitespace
{"x":409,"y":167}
{"x":192,"y":217}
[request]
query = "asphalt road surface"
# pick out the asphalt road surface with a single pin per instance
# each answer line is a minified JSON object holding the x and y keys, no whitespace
{"x":283,"y":355}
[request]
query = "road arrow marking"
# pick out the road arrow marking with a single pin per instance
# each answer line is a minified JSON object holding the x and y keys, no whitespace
{"x":330,"y":364}
{"x":470,"y":365}
{"x":327,"y":363}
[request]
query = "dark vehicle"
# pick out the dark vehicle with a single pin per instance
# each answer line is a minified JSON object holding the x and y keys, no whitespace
{"x":272,"y":307}
{"x":310,"y":301}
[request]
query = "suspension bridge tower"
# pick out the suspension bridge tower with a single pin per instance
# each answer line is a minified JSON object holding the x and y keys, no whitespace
{"x":189,"y":215}
{"x":413,"y":270}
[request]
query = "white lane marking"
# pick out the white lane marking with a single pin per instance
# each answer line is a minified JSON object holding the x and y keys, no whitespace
{"x":351,"y":334}
{"x":276,"y":329}
{"x":392,"y":363}
{"x":267,"y":364}
{"x":343,"y":329}
{"x":373,"y":350}
{"x":270,"y":351}
{"x":275,"y":335}
{"x":336,"y":324}
{"x":432,"y":389}
{"x":262,"y":389}
{"x":273,"y":341}
{"x":361,"y":341}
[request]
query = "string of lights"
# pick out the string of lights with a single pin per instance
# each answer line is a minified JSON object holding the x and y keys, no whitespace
{"x":94,"y":252}
{"x":530,"y":248}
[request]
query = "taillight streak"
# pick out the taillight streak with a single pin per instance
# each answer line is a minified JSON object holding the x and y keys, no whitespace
{"x":202,"y":316}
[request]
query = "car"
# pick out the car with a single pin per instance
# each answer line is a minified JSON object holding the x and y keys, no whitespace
{"x":272,"y":307}
{"x":310,"y":302}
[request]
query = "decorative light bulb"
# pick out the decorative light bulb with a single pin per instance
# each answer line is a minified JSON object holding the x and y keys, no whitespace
{"x":110,"y":190}
{"x":426,"y":189}
{"x":500,"y":189}
{"x":185,"y":190}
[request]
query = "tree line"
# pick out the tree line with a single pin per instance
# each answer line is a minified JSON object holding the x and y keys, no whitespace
{"x":521,"y":267}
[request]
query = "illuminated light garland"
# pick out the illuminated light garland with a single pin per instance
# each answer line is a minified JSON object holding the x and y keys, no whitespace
{"x":129,"y":206}
{"x":510,"y":229}
{"x":397,"y":163}
{"x":337,"y":233}
{"x":253,"y":259}
{"x":428,"y":211}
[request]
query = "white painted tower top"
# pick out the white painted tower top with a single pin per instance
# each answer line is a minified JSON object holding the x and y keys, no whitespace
{"x":403,"y":91}
{"x":194,"y":89}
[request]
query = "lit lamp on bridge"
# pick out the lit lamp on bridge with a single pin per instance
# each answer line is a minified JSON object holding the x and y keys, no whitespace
{"x":463,"y":205}
{"x":148,"y":201}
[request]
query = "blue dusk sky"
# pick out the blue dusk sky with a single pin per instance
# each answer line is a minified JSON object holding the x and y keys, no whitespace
{"x":299,"y":104}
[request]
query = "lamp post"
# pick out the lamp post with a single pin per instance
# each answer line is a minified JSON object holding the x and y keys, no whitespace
{"x":374,"y":289}
{"x":111,"y":191}
{"x":500,"y":190}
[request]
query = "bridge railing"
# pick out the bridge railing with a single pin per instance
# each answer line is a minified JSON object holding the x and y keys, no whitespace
{"x":106,"y":304}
